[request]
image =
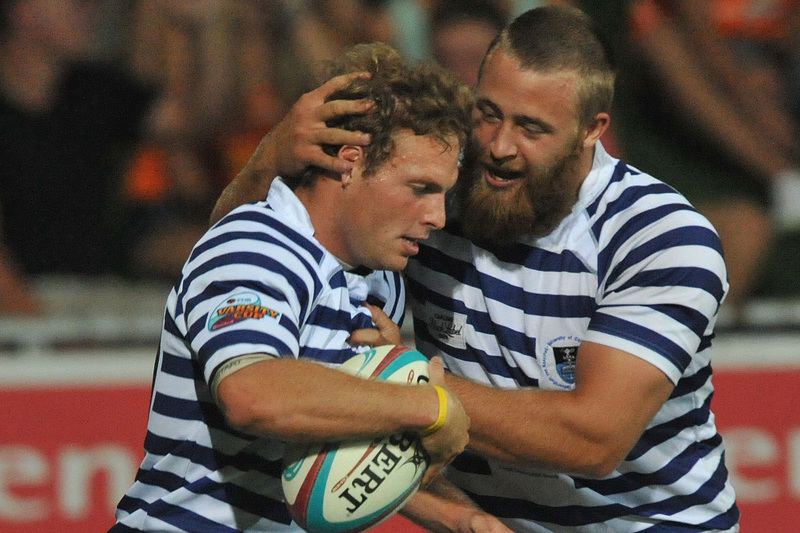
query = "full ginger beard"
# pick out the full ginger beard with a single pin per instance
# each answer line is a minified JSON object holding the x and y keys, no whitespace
{"x":500,"y":217}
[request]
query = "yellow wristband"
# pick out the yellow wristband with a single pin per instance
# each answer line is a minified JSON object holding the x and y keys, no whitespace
{"x":442,"y":412}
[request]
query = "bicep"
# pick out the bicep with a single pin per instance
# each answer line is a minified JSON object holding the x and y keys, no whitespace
{"x":622,"y":391}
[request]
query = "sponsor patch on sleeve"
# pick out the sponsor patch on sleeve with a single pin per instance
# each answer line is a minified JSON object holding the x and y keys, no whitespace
{"x":238,"y":308}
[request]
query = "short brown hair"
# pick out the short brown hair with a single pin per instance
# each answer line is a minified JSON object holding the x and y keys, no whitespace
{"x":561,"y":38}
{"x":420,"y":97}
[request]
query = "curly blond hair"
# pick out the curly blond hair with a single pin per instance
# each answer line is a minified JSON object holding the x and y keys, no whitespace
{"x":420,"y":97}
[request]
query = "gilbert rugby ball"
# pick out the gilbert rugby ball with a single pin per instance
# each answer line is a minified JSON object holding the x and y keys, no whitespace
{"x":354,"y":485}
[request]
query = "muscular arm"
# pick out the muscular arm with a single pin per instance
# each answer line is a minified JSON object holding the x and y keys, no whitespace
{"x":295,"y":143}
{"x":304,"y":401}
{"x":301,"y":400}
{"x":587,"y":431}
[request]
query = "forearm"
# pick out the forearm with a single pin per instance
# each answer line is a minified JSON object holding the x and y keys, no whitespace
{"x":443,"y":508}
{"x":304,"y":401}
{"x":587,"y":430}
{"x":533,"y":427}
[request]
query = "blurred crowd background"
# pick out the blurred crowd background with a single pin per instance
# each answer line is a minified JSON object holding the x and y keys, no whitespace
{"x":122,"y":120}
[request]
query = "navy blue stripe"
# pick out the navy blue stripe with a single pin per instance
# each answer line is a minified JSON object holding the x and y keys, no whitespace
{"x":188,"y":410}
{"x":516,"y":254}
{"x":689,"y":384}
{"x":261,"y":216}
{"x":664,"y":432}
{"x":568,"y":515}
{"x":539,"y":259}
{"x":332,"y":319}
{"x":725,"y":520}
{"x":629,"y":196}
{"x":495,"y":365}
{"x":574,"y":515}
{"x":233,"y":337}
{"x":120,"y":528}
{"x":293,"y":282}
{"x":531,"y":303}
{"x":625,"y":329}
{"x":170,"y":326}
{"x":160,"y":478}
{"x":705,"y":342}
{"x":175,"y":365}
{"x":129,"y":505}
{"x":672,"y":527}
{"x":335,"y":356}
{"x":185,"y":520}
{"x":705,"y":494}
{"x":695,"y":277}
{"x":209,"y":458}
{"x":396,"y":286}
{"x":618,"y":175}
{"x":684,"y":276}
{"x":471,"y":463}
{"x":632,"y":227}
{"x":243,"y":499}
{"x":679,"y":466}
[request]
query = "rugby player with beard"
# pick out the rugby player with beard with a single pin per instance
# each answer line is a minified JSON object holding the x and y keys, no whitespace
{"x":573,"y":298}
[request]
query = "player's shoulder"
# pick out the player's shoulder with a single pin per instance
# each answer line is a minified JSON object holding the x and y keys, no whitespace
{"x":631,"y":198}
{"x":256,"y":235}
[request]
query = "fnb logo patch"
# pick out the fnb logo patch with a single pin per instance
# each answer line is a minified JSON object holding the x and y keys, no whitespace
{"x":239,"y":307}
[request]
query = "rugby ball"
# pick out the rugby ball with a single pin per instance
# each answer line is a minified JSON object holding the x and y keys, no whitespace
{"x":351,"y":486}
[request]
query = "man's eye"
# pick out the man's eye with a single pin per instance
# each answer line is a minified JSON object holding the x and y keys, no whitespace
{"x":533,"y":132}
{"x":488,"y":114}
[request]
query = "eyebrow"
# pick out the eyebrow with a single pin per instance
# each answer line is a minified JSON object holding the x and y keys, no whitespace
{"x":519,"y":120}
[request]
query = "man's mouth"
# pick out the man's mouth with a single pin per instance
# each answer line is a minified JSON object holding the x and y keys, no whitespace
{"x":500,"y":177}
{"x":412,"y":248}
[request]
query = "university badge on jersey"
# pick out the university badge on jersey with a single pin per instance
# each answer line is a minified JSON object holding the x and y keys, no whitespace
{"x":559,"y":359}
{"x":237,"y":308}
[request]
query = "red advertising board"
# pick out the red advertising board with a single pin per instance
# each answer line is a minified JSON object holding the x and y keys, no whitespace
{"x":66,"y":454}
{"x":68,"y":450}
{"x":758,"y":414}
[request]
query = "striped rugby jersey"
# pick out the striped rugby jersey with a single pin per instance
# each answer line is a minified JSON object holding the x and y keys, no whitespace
{"x":634,"y":267}
{"x":258,"y":282}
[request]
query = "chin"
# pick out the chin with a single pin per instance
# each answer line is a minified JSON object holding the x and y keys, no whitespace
{"x":386,"y":263}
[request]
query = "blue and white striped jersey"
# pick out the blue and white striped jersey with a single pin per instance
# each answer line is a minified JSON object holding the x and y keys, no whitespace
{"x":258,"y":282}
{"x":634,"y":267}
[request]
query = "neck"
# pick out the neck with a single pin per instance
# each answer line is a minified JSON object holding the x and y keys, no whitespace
{"x":323,"y":201}
{"x":584,"y":167}
{"x":30,"y":75}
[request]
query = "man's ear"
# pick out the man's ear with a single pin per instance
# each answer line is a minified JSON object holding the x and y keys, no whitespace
{"x":596,"y":128}
{"x":355,"y":155}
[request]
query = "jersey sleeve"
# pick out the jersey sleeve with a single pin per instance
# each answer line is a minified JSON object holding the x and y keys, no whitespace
{"x":245,"y":292}
{"x":662,"y":283}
